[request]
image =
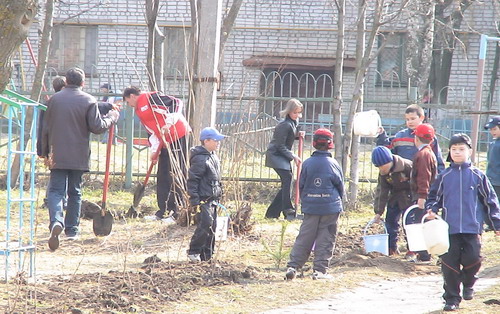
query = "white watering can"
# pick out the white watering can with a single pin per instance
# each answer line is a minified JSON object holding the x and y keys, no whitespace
{"x":414,"y":233}
{"x":366,"y":123}
{"x":436,"y":235}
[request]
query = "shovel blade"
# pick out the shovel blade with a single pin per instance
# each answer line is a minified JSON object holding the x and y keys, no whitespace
{"x":102,"y":225}
{"x":138,"y":194}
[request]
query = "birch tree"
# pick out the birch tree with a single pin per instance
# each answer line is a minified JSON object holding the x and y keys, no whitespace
{"x":16,"y":17}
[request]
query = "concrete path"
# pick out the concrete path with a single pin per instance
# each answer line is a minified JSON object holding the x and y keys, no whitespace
{"x":412,"y":295}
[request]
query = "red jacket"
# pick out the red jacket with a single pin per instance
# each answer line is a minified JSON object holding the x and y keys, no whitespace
{"x":159,"y":112}
{"x":423,"y":172}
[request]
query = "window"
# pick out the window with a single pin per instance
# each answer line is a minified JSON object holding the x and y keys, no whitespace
{"x":177,"y":53}
{"x":390,"y":65}
{"x":73,"y":46}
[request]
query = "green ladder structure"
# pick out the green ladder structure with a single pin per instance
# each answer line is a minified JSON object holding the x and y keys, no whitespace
{"x":18,"y":230}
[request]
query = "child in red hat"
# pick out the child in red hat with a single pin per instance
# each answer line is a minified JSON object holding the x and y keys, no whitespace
{"x":321,"y":190}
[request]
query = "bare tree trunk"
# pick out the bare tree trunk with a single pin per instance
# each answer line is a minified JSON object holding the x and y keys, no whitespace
{"x":227,"y":26}
{"x":444,"y":44}
{"x":494,"y":74}
{"x":16,"y":18}
{"x":194,"y":4}
{"x":36,"y":90}
{"x":357,"y":102}
{"x":154,"y":40}
{"x":337,"y":82}
{"x":419,"y":42}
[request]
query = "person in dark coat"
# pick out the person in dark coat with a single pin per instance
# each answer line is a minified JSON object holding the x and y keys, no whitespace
{"x":321,"y":191}
{"x":70,"y":118}
{"x":278,"y":156}
{"x":204,"y":189}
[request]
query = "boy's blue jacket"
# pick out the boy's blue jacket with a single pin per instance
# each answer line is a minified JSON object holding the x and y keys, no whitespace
{"x":321,"y":184}
{"x":493,"y":169}
{"x":465,"y":194}
{"x":403,"y":144}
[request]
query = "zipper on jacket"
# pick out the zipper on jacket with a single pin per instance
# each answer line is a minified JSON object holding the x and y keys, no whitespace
{"x":461,"y":196}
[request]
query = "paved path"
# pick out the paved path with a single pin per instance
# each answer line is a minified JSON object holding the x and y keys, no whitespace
{"x":412,"y":295}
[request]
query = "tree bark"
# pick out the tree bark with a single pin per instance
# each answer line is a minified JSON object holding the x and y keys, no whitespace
{"x":444,"y":45}
{"x":337,"y":81}
{"x":154,"y":41}
{"x":16,"y":17}
{"x":419,"y":43}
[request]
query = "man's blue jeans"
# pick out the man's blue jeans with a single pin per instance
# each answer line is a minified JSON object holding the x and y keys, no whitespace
{"x":64,"y":181}
{"x":392,"y":223}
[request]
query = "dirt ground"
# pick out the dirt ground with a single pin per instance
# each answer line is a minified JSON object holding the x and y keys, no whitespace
{"x":142,"y":267}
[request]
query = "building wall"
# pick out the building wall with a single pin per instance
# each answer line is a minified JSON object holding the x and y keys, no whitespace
{"x":276,"y":28}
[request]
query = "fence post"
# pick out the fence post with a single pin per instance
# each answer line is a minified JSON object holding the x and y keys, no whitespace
{"x":129,"y":140}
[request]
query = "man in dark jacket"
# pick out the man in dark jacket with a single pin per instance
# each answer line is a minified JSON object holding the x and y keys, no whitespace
{"x":204,"y":189}
{"x":70,"y":118}
{"x":393,"y":191}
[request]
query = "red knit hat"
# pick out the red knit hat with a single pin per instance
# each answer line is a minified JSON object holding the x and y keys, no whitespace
{"x":323,"y":136}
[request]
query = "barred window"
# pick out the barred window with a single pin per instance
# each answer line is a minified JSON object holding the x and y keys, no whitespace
{"x":177,"y":52}
{"x":390,"y":65}
{"x":73,"y":46}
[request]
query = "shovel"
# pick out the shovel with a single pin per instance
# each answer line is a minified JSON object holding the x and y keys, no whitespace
{"x":103,"y":222}
{"x":139,"y":190}
{"x":299,"y":169}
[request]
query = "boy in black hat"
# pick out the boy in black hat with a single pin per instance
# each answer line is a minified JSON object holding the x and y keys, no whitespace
{"x":465,"y":194}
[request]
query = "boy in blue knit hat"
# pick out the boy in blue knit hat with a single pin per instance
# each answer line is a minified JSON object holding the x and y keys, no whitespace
{"x":493,"y":168}
{"x":393,"y":191}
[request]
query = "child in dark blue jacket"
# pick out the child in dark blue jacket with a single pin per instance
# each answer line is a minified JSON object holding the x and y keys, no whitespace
{"x":465,"y":195}
{"x":204,"y":189}
{"x":321,"y":189}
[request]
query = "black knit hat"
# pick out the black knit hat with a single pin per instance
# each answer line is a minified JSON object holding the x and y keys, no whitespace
{"x":459,"y":138}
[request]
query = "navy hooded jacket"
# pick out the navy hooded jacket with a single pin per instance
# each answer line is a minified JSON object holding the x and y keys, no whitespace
{"x":321,"y":184}
{"x":465,"y":195}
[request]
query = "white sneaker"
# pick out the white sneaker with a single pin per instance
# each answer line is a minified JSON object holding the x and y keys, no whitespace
{"x":195,"y":258}
{"x":319,"y":275}
{"x":73,"y":237}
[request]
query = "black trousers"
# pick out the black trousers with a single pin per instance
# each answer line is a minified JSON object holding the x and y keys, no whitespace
{"x":169,"y":183}
{"x":460,"y":265}
{"x":203,"y":239}
{"x":282,"y":202}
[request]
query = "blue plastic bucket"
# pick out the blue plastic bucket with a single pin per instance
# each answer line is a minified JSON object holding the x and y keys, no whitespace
{"x":376,"y":242}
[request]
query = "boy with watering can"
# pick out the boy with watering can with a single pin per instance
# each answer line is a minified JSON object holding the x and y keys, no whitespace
{"x":465,"y":195}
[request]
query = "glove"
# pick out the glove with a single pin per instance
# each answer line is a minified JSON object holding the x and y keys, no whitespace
{"x":113,"y":115}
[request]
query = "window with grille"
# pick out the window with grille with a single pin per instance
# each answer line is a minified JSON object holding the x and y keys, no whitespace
{"x":73,"y":46}
{"x":390,"y":65}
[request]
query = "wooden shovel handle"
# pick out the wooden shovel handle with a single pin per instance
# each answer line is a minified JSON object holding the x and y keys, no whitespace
{"x":152,"y":164}
{"x":111,"y":135}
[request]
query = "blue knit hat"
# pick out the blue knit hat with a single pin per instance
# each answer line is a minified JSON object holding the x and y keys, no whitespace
{"x":381,"y":155}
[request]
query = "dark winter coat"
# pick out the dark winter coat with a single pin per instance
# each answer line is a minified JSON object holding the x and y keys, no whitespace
{"x":465,"y":195}
{"x":321,"y":185}
{"x":70,"y":118}
{"x":279,"y":152}
{"x":393,"y":189}
{"x":204,"y":179}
